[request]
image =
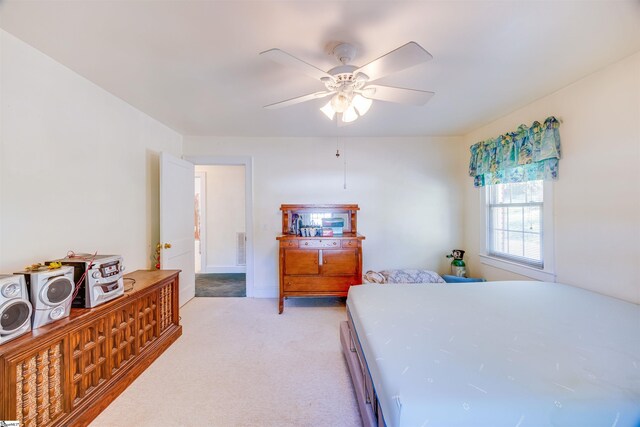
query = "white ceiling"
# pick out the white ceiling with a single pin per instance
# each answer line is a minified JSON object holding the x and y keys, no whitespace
{"x":194,"y":65}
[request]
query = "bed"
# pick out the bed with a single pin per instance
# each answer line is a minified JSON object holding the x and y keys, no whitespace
{"x":512,"y":354}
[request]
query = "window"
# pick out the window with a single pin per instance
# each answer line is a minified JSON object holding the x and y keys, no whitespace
{"x":518,"y":228}
{"x":514,"y":226}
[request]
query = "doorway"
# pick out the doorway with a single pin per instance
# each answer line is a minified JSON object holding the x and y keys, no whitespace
{"x":220,"y":230}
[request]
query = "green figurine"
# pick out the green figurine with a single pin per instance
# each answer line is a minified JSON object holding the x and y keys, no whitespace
{"x":458,"y":267}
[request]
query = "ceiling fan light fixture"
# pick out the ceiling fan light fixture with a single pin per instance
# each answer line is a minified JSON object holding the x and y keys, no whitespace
{"x":362,"y":104}
{"x":340,"y":102}
{"x":349,"y":115}
{"x":328,"y":110}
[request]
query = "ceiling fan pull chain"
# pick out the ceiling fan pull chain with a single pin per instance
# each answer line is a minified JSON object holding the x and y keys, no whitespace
{"x":344,"y":151}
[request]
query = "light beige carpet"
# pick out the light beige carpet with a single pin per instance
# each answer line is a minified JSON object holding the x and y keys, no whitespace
{"x":239,"y":363}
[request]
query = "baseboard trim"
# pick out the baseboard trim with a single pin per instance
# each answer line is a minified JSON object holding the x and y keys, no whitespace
{"x":225,"y":269}
{"x":265,"y":293}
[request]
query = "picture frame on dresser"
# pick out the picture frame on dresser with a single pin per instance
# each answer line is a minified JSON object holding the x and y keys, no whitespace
{"x":318,"y":266}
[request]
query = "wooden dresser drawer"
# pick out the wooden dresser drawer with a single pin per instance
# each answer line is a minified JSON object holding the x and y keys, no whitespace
{"x":319,"y":243}
{"x":350,"y":243}
{"x":288,"y":243}
{"x":318,"y":284}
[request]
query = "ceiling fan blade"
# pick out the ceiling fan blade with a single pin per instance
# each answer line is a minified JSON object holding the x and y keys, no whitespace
{"x":284,"y":58}
{"x":299,"y":99}
{"x":403,"y":57}
{"x":397,"y":94}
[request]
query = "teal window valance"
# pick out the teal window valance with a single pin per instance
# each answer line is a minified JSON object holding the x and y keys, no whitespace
{"x":528,"y":154}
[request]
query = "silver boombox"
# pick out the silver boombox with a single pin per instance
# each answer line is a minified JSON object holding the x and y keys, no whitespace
{"x":103,"y":279}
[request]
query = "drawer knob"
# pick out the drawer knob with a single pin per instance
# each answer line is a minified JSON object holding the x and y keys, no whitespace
{"x":306,"y":243}
{"x":334,"y":243}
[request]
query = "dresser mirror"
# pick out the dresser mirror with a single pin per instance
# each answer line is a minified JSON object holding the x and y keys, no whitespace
{"x":314,"y":219}
{"x":295,"y":217}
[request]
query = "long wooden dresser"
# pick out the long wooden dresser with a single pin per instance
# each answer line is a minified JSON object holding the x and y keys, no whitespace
{"x":318,"y":266}
{"x":67,"y":372}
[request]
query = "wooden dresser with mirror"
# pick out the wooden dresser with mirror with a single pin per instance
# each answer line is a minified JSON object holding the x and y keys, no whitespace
{"x":313,"y":265}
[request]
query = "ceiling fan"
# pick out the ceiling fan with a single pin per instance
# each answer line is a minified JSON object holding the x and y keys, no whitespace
{"x":350,"y":85}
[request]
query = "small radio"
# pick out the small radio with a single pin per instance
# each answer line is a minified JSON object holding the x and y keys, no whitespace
{"x":103,"y":278}
{"x":50,"y":292}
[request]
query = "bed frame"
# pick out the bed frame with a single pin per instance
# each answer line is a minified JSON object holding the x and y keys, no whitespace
{"x":368,"y":403}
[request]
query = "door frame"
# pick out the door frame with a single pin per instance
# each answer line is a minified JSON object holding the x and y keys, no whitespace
{"x":203,"y":222}
{"x":247,"y":162}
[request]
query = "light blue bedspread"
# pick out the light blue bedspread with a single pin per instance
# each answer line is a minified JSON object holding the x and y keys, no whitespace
{"x":517,"y":354}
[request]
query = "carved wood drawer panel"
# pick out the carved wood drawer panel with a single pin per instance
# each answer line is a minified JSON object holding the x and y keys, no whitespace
{"x":39,"y":391}
{"x":89,"y":359}
{"x":166,"y":306}
{"x":122,"y":330}
{"x":147,"y":320}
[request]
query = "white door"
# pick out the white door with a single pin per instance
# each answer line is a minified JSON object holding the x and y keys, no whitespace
{"x":177,"y":221}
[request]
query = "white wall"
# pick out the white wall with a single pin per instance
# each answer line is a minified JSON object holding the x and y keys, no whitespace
{"x":597,"y":196}
{"x":225,"y":216}
{"x":78,"y":166}
{"x":407,"y":189}
{"x":2,"y":133}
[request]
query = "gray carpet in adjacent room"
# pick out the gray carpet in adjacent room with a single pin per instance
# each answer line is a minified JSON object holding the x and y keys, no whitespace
{"x":239,"y":363}
{"x":221,"y":285}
